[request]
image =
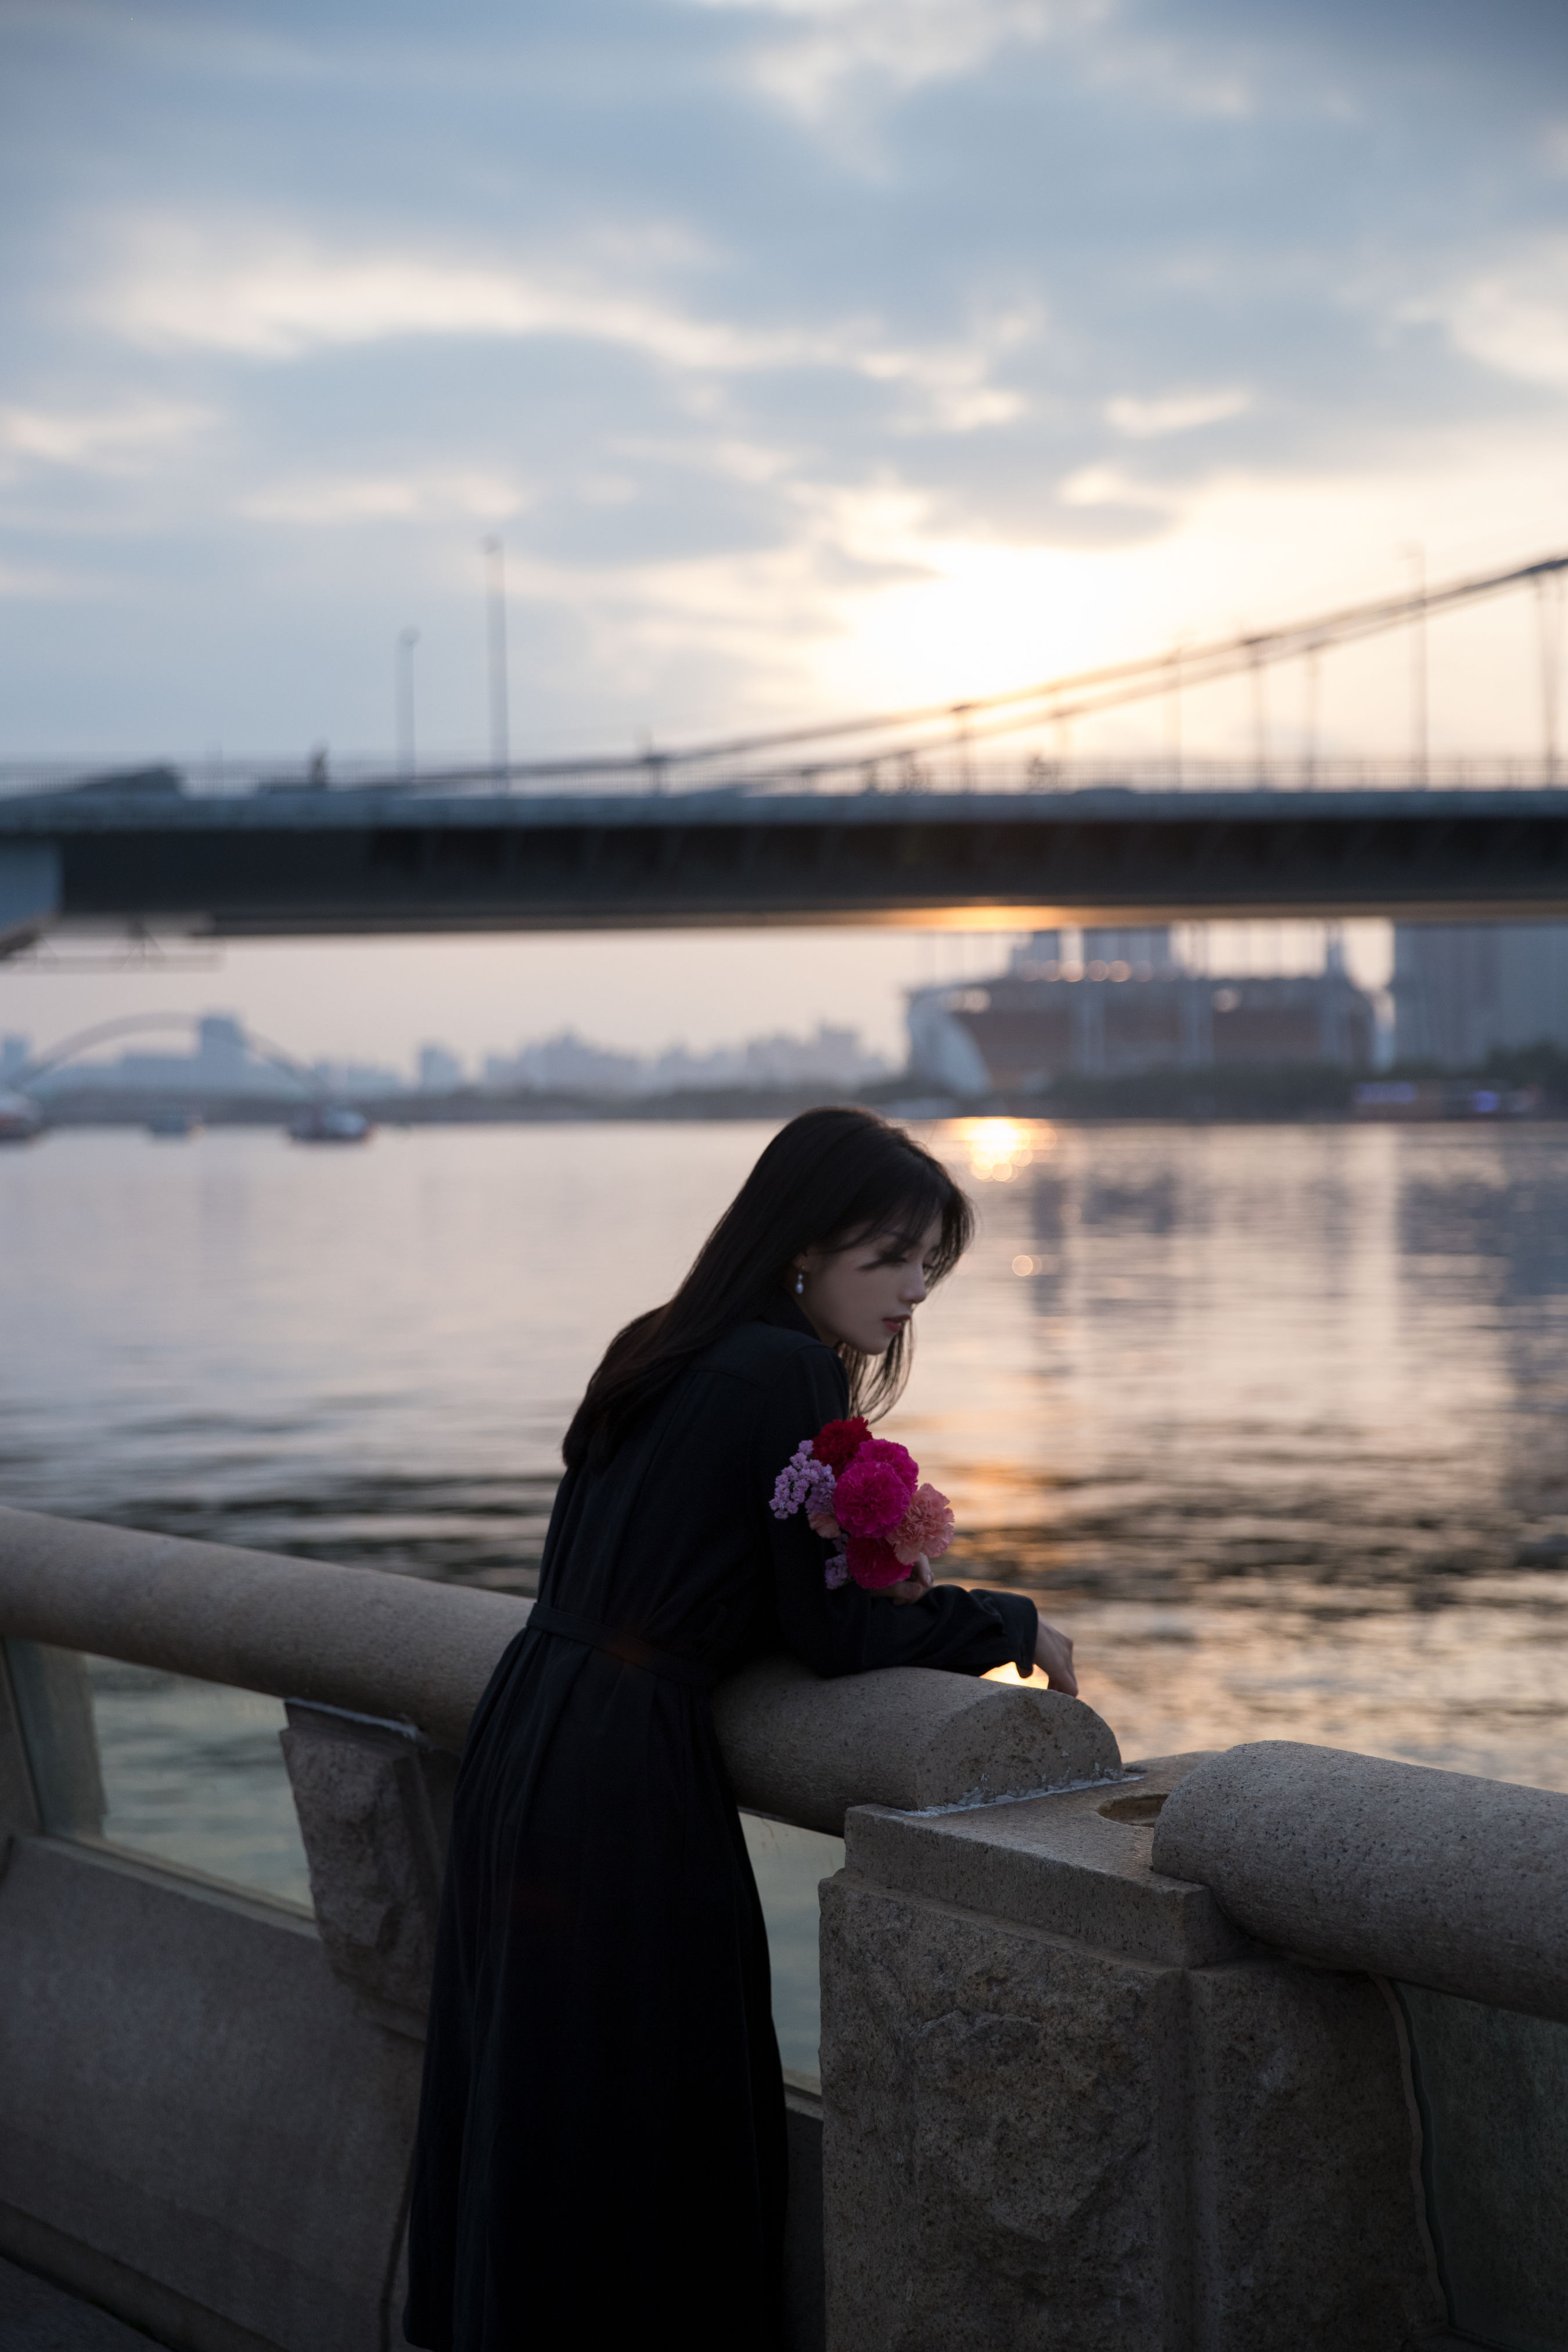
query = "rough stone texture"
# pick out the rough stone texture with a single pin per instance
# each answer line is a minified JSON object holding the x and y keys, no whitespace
{"x":806,"y":1749}
{"x":1066,"y":1862}
{"x":1000,"y":2109}
{"x":1067,"y":2106}
{"x":388,"y":1645}
{"x":36,"y":2317}
{"x":197,"y":2128}
{"x":1307,"y":2224}
{"x":374,"y":1802}
{"x":395,"y":1647}
{"x":1439,"y":1878}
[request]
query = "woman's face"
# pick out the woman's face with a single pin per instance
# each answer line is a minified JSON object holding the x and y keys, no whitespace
{"x":865,"y":1295}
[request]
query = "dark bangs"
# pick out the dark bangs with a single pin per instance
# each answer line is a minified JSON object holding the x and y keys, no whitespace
{"x":902,"y":1212}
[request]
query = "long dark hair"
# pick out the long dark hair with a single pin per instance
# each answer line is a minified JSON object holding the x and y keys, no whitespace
{"x":828,"y":1180}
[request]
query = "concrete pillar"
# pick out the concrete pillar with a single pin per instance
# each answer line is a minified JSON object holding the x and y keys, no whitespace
{"x":29,"y":891}
{"x":1197,"y":1023}
{"x":1088,"y":1027}
{"x":1066,"y":2104}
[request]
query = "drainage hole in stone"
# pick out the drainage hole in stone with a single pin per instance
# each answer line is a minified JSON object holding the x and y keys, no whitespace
{"x":1132,"y":1809}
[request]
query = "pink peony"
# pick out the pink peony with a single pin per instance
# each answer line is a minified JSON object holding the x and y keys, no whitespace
{"x":873,"y":1563}
{"x":875,"y":1490}
{"x":926,"y":1526}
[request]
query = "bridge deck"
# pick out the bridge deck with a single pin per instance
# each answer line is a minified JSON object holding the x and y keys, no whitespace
{"x":334,"y":862}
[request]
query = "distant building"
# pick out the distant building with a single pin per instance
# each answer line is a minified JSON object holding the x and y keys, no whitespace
{"x":440,"y":1072}
{"x":223,"y":1053}
{"x":1123,"y":1005}
{"x":349,"y":1080}
{"x":568,"y":1064}
{"x":1462,"y":990}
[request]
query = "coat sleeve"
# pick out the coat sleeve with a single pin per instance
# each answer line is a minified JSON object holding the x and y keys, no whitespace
{"x":848,"y":1631}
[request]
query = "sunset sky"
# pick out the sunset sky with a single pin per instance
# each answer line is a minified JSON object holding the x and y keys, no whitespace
{"x":807,"y":355}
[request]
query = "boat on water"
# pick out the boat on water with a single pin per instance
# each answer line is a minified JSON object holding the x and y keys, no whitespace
{"x":173,"y":1124}
{"x":330,"y":1123}
{"x":20,"y":1119}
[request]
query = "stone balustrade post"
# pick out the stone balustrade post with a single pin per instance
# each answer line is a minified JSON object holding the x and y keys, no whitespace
{"x":1067,"y":2104}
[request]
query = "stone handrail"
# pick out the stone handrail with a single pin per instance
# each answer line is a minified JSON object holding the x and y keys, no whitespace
{"x":1436,"y":1878}
{"x":401,"y":1649}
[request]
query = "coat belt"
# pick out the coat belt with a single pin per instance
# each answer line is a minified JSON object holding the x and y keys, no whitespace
{"x":544,"y":1618}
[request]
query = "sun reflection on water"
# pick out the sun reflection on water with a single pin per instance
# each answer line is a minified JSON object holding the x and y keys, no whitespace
{"x":999,"y":1150}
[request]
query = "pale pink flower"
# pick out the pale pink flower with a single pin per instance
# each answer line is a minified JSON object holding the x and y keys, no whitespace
{"x":926,"y":1526}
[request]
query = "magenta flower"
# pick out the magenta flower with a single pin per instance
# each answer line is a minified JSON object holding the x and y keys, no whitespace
{"x":873,"y":1563}
{"x":926,"y":1526}
{"x":875,"y":1490}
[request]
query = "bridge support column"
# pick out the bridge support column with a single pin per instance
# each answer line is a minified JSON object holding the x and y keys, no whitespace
{"x":1198,"y":1023}
{"x":29,"y":891}
{"x":1088,"y":1027}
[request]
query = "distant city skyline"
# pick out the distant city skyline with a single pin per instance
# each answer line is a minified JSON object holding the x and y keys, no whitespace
{"x":641,"y":993}
{"x":226,"y":1057}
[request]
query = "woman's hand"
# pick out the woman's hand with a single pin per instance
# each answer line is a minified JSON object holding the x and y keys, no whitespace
{"x":1053,"y":1652}
{"x":916,"y":1585}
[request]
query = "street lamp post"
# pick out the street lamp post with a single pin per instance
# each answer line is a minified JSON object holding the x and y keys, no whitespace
{"x":495,"y":570}
{"x":403,"y":692}
{"x":1415,"y":554}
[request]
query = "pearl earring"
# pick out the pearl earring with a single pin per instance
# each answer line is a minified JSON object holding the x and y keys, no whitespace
{"x":799,"y":1283}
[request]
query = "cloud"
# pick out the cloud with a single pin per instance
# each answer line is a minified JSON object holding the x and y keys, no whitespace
{"x":269,"y":297}
{"x":689,"y":292}
{"x":103,"y":441}
{"x":257,"y":296}
{"x":1512,"y":317}
{"x":829,"y":51}
{"x":328,"y":501}
{"x":1176,"y":412}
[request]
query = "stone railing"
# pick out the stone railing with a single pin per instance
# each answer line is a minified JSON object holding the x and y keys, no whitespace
{"x":401,"y":1649}
{"x":208,"y":2099}
{"x":1263,"y":2052}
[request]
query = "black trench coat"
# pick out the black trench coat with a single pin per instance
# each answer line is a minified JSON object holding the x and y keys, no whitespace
{"x":601,"y":2149}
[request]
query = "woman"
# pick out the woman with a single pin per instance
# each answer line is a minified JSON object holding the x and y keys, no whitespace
{"x":602,"y":2141}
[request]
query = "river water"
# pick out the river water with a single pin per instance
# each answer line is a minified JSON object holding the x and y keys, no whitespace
{"x":1274,"y":1420}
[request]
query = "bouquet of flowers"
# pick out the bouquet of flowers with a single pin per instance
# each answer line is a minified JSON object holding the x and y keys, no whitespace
{"x":865,"y":1493}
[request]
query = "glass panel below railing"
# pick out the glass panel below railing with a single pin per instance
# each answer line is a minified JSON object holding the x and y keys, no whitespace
{"x":161,"y":1766}
{"x":790,"y":1864}
{"x":191,"y":1773}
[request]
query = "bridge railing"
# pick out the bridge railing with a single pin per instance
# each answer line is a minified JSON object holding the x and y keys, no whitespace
{"x":938,"y":770}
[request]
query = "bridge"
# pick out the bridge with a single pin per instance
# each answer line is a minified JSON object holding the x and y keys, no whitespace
{"x":889,"y":818}
{"x":368,"y":863}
